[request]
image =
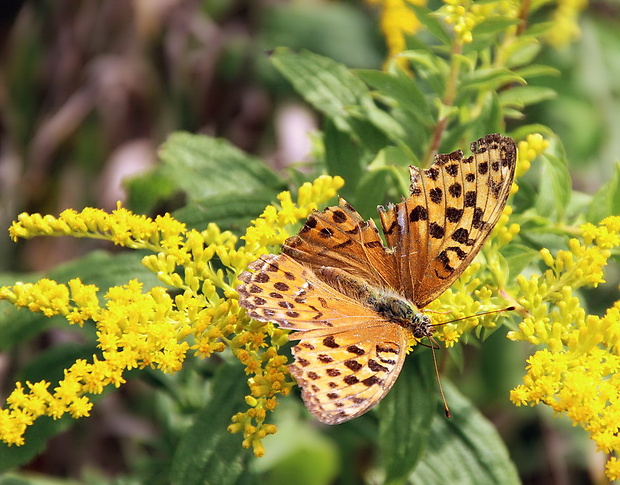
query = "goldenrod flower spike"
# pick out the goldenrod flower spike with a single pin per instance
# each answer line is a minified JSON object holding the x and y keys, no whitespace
{"x":578,"y":370}
{"x":397,"y":20}
{"x":565,"y":22}
{"x":137,"y":329}
{"x":465,"y":15}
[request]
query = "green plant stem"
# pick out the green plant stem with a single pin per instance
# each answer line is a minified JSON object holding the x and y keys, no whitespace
{"x":523,"y":15}
{"x":448,"y":100}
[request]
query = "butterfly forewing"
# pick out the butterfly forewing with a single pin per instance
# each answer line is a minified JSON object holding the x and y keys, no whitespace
{"x":282,"y":290}
{"x":338,"y":237}
{"x":453,"y":207}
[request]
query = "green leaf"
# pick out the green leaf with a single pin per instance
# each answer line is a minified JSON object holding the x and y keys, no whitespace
{"x":340,"y":31}
{"x":328,"y":86}
{"x":344,"y":157}
{"x":490,"y":119}
{"x":371,"y":190}
{"x":231,"y":212}
{"x":402,"y":89}
{"x":485,"y":34}
{"x":202,"y":167}
{"x":555,"y":187}
{"x":430,"y":67}
{"x":404,"y":418}
{"x":381,"y":120}
{"x":521,"y":96}
{"x":493,"y":25}
{"x":19,"y":325}
{"x":145,"y":191}
{"x":537,"y":70}
{"x":338,"y":93}
{"x":489,"y":79}
{"x":606,"y":202}
{"x":207,"y":453}
{"x":464,"y":449}
{"x":518,"y":257}
{"x":521,"y":51}
{"x":432,"y":22}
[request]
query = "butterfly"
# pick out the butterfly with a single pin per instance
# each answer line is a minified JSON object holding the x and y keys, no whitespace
{"x":355,"y":302}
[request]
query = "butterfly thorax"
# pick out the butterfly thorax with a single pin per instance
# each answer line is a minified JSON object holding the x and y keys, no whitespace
{"x":388,"y":304}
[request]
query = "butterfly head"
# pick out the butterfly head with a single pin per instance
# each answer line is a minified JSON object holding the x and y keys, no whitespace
{"x":421,"y":326}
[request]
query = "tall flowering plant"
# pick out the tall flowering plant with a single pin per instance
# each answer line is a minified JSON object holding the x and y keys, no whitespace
{"x":468,"y":81}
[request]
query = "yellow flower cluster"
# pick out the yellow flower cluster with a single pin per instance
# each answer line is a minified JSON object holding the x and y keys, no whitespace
{"x":565,"y":27}
{"x":132,"y":331}
{"x":578,"y":371}
{"x":465,"y":15}
{"x":137,"y":329}
{"x":472,"y":293}
{"x":528,"y":150}
{"x":397,"y":20}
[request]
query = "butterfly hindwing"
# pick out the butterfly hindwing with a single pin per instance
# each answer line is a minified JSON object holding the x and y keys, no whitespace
{"x":347,"y":372}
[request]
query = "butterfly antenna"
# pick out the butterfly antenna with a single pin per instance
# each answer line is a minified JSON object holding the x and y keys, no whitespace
{"x":507,"y":309}
{"x":443,"y":396}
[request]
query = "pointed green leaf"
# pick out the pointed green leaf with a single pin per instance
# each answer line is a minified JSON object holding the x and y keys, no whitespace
{"x":518,"y":257}
{"x":522,"y":51}
{"x":489,"y":79}
{"x":521,"y":96}
{"x":208,"y":453}
{"x":537,"y":70}
{"x":493,"y":25}
{"x":344,"y":157}
{"x":430,"y":67}
{"x":432,"y":22}
{"x":606,"y":202}
{"x":555,"y":187}
{"x":402,"y":89}
{"x":464,"y":449}
{"x":405,"y":416}
{"x":328,"y":86}
{"x":202,"y":167}
{"x":338,"y":93}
